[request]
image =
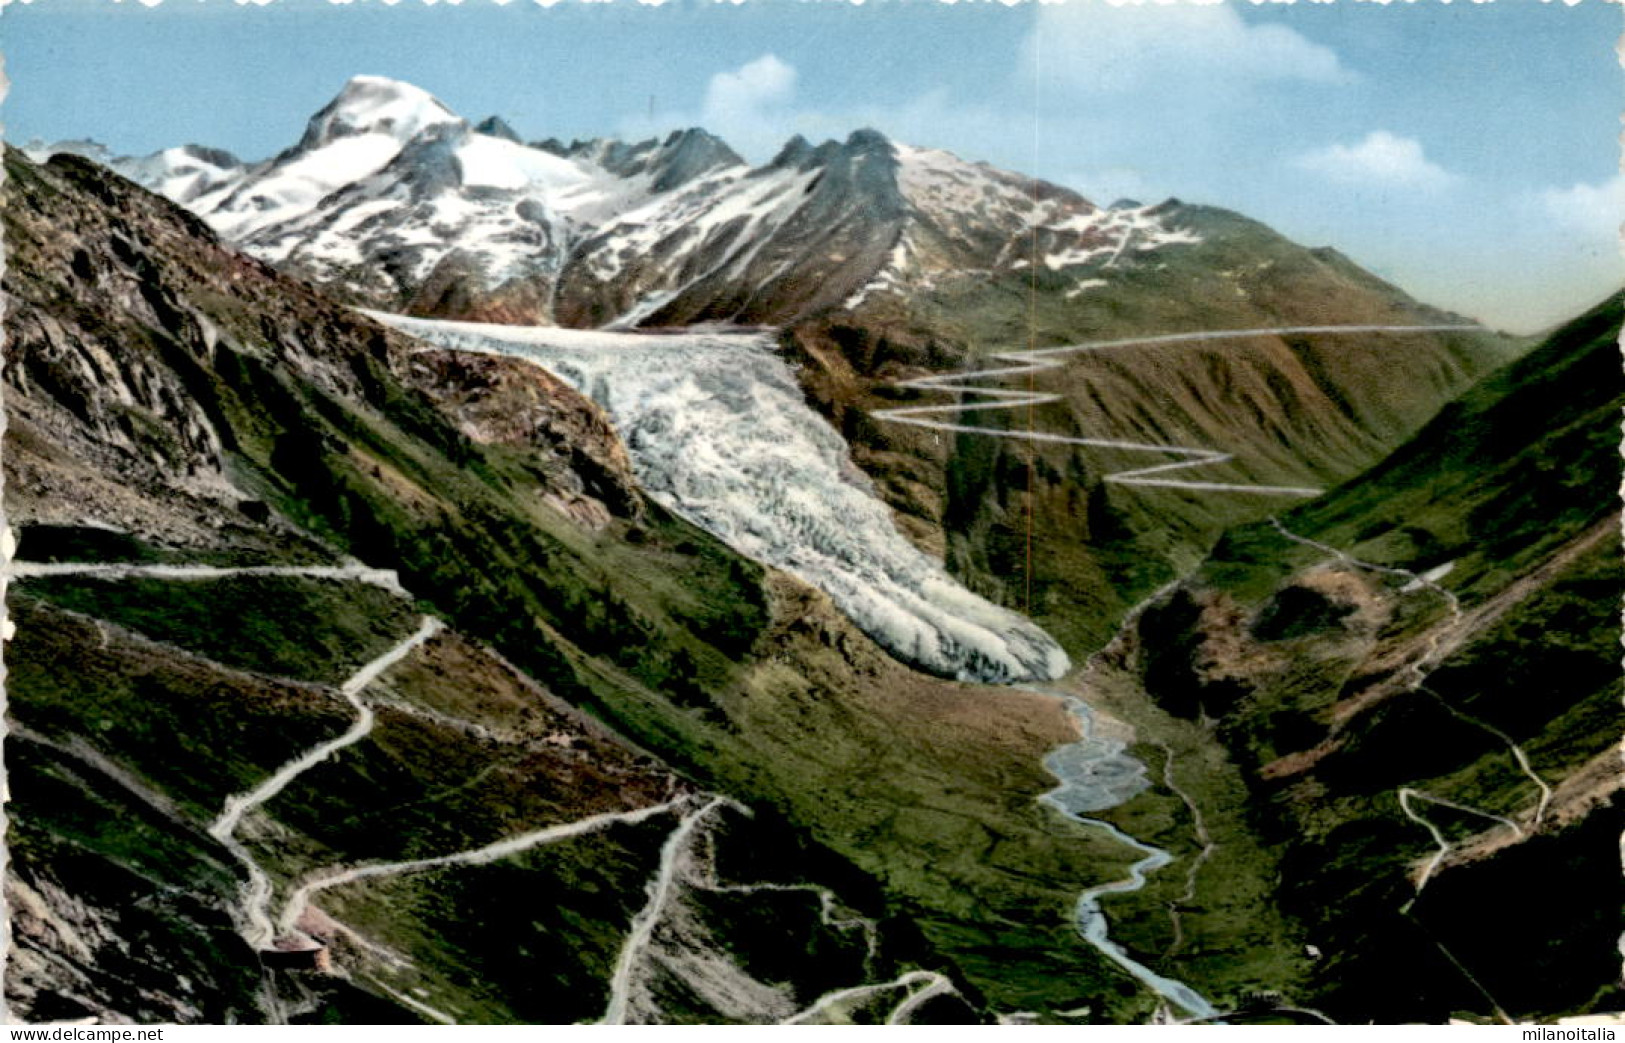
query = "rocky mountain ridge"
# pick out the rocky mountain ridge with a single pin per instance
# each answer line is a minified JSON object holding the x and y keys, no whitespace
{"x":392,"y":200}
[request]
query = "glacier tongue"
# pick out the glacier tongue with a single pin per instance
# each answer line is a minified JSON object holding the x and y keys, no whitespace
{"x":718,"y":431}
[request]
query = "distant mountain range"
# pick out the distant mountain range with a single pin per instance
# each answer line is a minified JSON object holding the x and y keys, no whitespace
{"x":392,"y":199}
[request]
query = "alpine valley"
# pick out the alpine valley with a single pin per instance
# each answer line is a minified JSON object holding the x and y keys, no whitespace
{"x":462,"y":579}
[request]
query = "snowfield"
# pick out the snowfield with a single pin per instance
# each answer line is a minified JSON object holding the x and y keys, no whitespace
{"x":719,"y":432}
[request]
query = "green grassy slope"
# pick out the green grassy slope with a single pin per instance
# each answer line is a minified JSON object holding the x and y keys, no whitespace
{"x":1303,"y":663}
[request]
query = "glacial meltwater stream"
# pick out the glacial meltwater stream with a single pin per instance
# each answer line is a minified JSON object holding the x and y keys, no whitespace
{"x":1096,"y":774}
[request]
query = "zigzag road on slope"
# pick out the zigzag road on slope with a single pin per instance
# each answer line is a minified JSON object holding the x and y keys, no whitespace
{"x":933,"y":981}
{"x":299,"y":899}
{"x":826,"y":907}
{"x":827,"y":899}
{"x":1518,"y":753}
{"x":1420,"y":669}
{"x":647,"y":919}
{"x":937,"y":986}
{"x":676,"y":871}
{"x":1033,"y":361}
{"x":253,"y":914}
{"x":256,"y":923}
{"x":1407,"y":793}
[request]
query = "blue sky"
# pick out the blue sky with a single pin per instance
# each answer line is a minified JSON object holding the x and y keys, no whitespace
{"x":1467,"y":151}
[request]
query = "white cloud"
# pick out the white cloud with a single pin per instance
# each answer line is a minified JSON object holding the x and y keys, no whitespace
{"x":757,"y":107}
{"x":752,"y":108}
{"x":1103,"y":48}
{"x":1381,"y":160}
{"x":750,"y":102}
{"x":1594,"y":211}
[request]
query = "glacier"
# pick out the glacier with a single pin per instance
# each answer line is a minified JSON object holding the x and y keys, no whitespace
{"x":718,"y":432}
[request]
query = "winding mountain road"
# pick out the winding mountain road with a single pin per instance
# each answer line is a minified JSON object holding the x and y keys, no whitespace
{"x":385,"y":579}
{"x":1410,"y":793}
{"x":644,"y":924}
{"x":681,"y":868}
{"x":256,"y":924}
{"x":299,"y":898}
{"x":826,"y":907}
{"x":1041,"y":360}
{"x":1419,"y":670}
{"x":1517,"y":751}
{"x":935,"y":984}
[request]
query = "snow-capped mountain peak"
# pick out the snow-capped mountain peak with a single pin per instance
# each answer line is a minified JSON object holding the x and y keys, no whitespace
{"x":392,"y":198}
{"x":375,"y":105}
{"x":185,"y":172}
{"x":681,"y":157}
{"x":361,"y":131}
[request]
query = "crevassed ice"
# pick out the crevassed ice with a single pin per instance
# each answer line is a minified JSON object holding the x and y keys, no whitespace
{"x":718,"y":431}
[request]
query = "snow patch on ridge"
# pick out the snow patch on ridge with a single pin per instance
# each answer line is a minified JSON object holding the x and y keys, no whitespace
{"x":1107,"y":234}
{"x":489,"y":162}
{"x":718,"y":431}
